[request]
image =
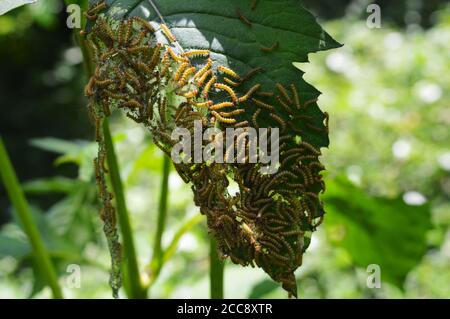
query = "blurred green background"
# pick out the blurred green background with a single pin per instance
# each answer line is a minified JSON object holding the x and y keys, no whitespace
{"x":387,"y":93}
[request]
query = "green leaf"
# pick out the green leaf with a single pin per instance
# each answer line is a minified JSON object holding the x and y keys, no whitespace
{"x":215,"y":25}
{"x":376,"y":230}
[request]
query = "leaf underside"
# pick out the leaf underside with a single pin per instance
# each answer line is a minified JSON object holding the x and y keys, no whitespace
{"x":269,"y":221}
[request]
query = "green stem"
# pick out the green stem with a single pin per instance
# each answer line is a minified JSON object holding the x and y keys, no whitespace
{"x":215,"y":272}
{"x":132,"y":269}
{"x":22,"y":208}
{"x":162,"y":216}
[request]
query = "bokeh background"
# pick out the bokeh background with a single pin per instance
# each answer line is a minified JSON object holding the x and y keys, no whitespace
{"x":387,"y":92}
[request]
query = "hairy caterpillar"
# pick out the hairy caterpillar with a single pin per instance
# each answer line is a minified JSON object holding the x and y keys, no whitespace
{"x":191,"y":94}
{"x":263,"y":105}
{"x":222,"y":119}
{"x":228,"y":71}
{"x":165,"y":29}
{"x":231,"y":82}
{"x":271,"y":48}
{"x":232,"y":113}
{"x":132,"y":104}
{"x":175,"y":56}
{"x":284,"y":93}
{"x":265,"y":94}
{"x":241,"y":124}
{"x":204,"y":104}
{"x":279,"y":120}
{"x":255,"y":117}
{"x":203,"y":70}
{"x":180,"y":71}
{"x":222,"y":105}
{"x":200,"y":81}
{"x":144,"y":23}
{"x":195,"y":53}
{"x":208,"y":86}
{"x":184,"y":78}
{"x":286,"y":108}
{"x":296,"y":98}
{"x":243,"y":19}
{"x":249,"y":93}
{"x":251,"y":73}
{"x":228,"y":89}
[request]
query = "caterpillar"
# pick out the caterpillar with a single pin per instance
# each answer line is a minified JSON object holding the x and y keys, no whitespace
{"x":135,"y":49}
{"x":144,"y":23}
{"x":97,"y":7}
{"x":228,"y":89}
{"x":232,"y":113}
{"x":241,"y":124}
{"x":279,"y":120}
{"x":128,"y":31}
{"x":91,"y":17}
{"x":200,"y":81}
{"x":286,"y":108}
{"x":251,"y":73}
{"x":222,"y":119}
{"x":139,"y":39}
{"x":208,"y":86}
{"x":196,"y":53}
{"x":243,"y":19}
{"x":203,"y":70}
{"x":271,"y":48}
{"x":175,"y":56}
{"x":231,"y":82}
{"x":296,"y":98}
{"x":120,"y":31}
{"x":249,"y":93}
{"x":162,"y":110}
{"x":191,"y":94}
{"x":89,"y":88}
{"x":222,"y":105}
{"x":184,"y":78}
{"x":204,"y":104}
{"x":263,"y":105}
{"x":309,"y":102}
{"x":155,"y":56}
{"x":168,"y":33}
{"x":144,"y":67}
{"x":255,"y":117}
{"x":265,"y":94}
{"x":311,"y":148}
{"x":228,"y":71}
{"x":103,"y":83}
{"x":315,"y":128}
{"x":132,"y":104}
{"x":114,"y":95}
{"x":284,"y":93}
{"x":180,"y":71}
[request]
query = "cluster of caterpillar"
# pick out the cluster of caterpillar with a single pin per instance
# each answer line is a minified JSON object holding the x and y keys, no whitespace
{"x":266,"y":223}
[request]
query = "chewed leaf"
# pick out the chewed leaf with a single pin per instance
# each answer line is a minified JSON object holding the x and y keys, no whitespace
{"x":223,"y":64}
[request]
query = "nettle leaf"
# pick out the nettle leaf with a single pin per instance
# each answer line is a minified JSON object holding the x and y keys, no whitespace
{"x":225,"y":64}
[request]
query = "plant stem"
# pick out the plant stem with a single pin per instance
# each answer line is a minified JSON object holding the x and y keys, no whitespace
{"x":136,"y":290}
{"x":215,"y":272}
{"x":162,"y":215}
{"x":22,"y":208}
